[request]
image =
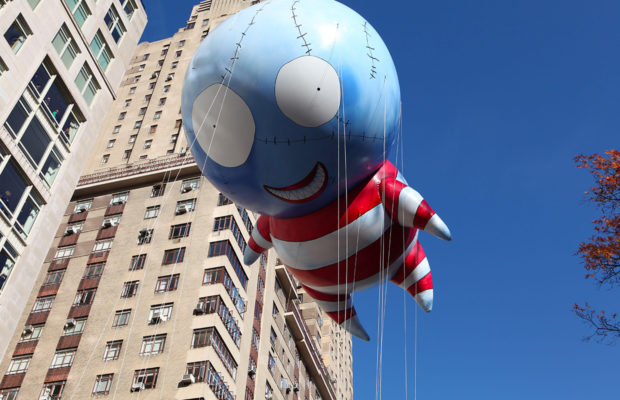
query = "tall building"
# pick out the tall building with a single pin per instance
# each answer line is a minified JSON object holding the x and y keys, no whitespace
{"x":61,"y":63}
{"x":143,"y":293}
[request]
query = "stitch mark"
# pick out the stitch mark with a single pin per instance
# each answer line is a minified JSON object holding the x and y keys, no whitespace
{"x":235,"y":56}
{"x":373,"y":67}
{"x":301,"y":36}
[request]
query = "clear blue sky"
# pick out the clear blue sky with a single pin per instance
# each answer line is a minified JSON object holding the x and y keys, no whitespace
{"x":498,"y":97}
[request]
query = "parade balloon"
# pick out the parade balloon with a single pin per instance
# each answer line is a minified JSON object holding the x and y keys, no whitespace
{"x":291,"y":108}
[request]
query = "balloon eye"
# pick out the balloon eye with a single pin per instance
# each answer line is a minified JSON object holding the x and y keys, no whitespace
{"x":308,"y":91}
{"x":223,"y":125}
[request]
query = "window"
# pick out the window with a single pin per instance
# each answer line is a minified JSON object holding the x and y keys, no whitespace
{"x":190,"y":25}
{"x":103,"y":383}
{"x":162,"y":101}
{"x":164,"y":52}
{"x":158,"y":190}
{"x":64,"y":252}
{"x":174,"y":64}
{"x":4,"y":68}
{"x":210,"y":337}
{"x":178,"y":123}
{"x":173,"y":256}
{"x":103,"y":245}
{"x":153,"y":129}
{"x":153,"y":344}
{"x":148,"y":143}
{"x":101,"y":50}
{"x":53,"y":390}
{"x":178,"y":53}
{"x":137,"y":262}
{"x":145,"y":236}
{"x":160,"y":62}
{"x":84,"y":297}
{"x":146,"y":377}
{"x":116,"y":129}
{"x":159,"y":313}
{"x":65,"y":46}
{"x":141,"y":67}
{"x":205,"y":22}
{"x":74,"y":328}
{"x":166,"y":89}
{"x":228,"y":222}
{"x":121,"y":318}
{"x":174,"y":138}
{"x":137,"y":125}
{"x":111,"y":143}
{"x":19,"y":365}
{"x":170,"y":77}
{"x":190,"y":184}
{"x":157,"y":115}
{"x":136,"y":78}
{"x":9,"y":394}
{"x":119,"y":198}
{"x":181,"y":43}
{"x":130,"y":289}
{"x":54,"y":277}
{"x":179,"y":231}
{"x":132,"y":139}
{"x":79,"y":9}
{"x":126,"y":154}
{"x":271,"y":364}
{"x":146,"y":56}
{"x":142,"y":111}
{"x":223,"y":200}
{"x":215,"y":304}
{"x":151,"y":212}
{"x":114,"y":23}
{"x":132,"y":90}
{"x":93,"y":271}
{"x":112,"y":350}
{"x":63,"y":358}
{"x":223,"y":247}
{"x":17,"y":33}
{"x":87,"y":84}
{"x":32,"y":334}
{"x":151,"y":85}
{"x":184,"y":206}
{"x":167,"y":283}
{"x":198,"y":369}
{"x":273,"y":337}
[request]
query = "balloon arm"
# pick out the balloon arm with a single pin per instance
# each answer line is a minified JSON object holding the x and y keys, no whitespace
{"x":260,"y":241}
{"x":407,"y":207}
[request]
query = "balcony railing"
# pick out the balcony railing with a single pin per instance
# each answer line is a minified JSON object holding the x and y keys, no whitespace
{"x":156,"y":164}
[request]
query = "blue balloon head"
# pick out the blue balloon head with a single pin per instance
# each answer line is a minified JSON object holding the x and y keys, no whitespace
{"x":289,"y":103}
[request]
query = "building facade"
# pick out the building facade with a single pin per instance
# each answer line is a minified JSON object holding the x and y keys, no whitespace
{"x":61,"y":62}
{"x":143,"y":292}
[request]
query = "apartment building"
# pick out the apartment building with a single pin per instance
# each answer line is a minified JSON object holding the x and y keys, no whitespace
{"x":61,"y":62}
{"x":143,"y":292}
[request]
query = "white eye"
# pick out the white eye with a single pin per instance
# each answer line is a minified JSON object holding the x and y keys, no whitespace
{"x":223,"y":125}
{"x":308,"y":91}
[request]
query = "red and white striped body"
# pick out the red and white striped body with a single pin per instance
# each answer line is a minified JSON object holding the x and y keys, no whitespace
{"x":366,"y":236}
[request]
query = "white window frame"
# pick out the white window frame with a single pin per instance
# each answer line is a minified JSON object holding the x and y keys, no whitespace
{"x":63,"y":358}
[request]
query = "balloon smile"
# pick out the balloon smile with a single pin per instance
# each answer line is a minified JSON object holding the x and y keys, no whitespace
{"x":309,"y":188}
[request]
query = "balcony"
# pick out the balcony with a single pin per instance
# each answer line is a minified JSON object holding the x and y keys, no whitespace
{"x":308,"y":351}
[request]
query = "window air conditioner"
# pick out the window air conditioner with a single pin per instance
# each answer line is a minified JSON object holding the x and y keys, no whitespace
{"x":188,"y":379}
{"x":164,"y":318}
{"x":252,"y":370}
{"x":71,"y":230}
{"x":182,"y":209}
{"x":81,"y":209}
{"x":28,"y":329}
{"x":186,"y":188}
{"x":136,"y":387}
{"x":268,"y":396}
{"x":200,"y":308}
{"x":118,"y":202}
{"x":107,"y":223}
{"x":296,"y":388}
{"x":155,"y":318}
{"x":45,"y":397}
{"x":70,"y":323}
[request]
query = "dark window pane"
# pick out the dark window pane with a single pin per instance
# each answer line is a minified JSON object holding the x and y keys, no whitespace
{"x":18,"y":116}
{"x":12,"y":186}
{"x":35,"y":140}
